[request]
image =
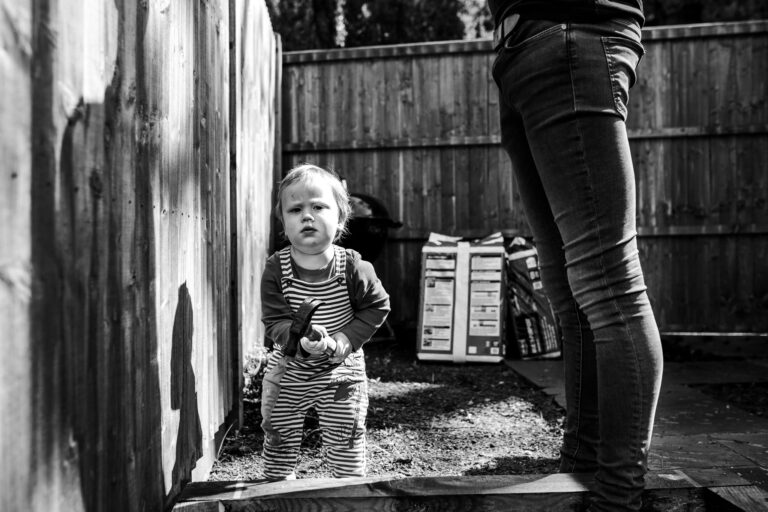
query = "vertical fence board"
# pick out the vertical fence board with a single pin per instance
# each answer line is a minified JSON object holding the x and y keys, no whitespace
{"x":257,"y":89}
{"x":16,"y":274}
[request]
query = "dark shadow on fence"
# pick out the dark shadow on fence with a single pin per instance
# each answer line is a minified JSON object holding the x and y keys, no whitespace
{"x":184,"y":395}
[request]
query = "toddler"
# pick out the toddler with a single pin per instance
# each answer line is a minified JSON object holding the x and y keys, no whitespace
{"x":328,"y":372}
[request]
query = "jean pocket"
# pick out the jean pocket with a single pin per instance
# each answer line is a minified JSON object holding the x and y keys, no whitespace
{"x":528,"y":32}
{"x":622,"y":55}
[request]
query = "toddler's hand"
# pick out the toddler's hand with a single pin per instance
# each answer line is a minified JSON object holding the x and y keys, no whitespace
{"x":343,"y":348}
{"x":314,"y":346}
{"x":317,"y":332}
{"x":314,"y":342}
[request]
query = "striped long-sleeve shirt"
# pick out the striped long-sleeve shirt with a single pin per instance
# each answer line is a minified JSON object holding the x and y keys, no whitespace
{"x":367,"y":295}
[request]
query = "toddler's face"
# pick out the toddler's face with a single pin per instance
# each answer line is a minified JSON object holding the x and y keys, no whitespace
{"x":310,"y":215}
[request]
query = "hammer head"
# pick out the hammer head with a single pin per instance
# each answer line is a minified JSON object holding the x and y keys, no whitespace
{"x":301,"y":324}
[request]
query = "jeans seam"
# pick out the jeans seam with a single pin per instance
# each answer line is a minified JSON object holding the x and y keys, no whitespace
{"x":618,"y":106}
{"x":581,"y":387}
{"x":569,"y":54}
{"x":582,"y":153}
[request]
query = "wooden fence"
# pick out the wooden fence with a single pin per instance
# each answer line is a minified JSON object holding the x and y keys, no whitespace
{"x":417,"y":127}
{"x":120,"y":228}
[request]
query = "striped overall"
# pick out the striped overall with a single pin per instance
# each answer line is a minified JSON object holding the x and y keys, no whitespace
{"x":337,"y":391}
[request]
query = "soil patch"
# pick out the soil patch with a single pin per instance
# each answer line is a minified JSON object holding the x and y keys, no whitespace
{"x":424,"y":419}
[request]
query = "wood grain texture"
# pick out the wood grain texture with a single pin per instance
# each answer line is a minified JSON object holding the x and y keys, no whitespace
{"x":256,"y":86}
{"x":16,"y":271}
{"x":426,"y":116}
{"x":115,"y":274}
{"x":672,"y":490}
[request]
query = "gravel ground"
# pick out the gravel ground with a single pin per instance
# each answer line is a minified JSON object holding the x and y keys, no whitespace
{"x":431,"y":419}
{"x":424,"y":419}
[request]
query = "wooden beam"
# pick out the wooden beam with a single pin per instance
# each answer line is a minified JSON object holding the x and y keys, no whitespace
{"x":665,"y":490}
{"x":677,"y":32}
{"x":668,"y":132}
{"x":745,"y":498}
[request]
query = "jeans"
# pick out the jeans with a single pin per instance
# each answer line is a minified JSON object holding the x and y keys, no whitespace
{"x":563,"y":91}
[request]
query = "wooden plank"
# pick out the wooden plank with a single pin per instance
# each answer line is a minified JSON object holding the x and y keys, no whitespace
{"x":665,"y":490}
{"x":432,"y":212}
{"x":428,"y":103}
{"x":367,"y":99}
{"x":132,"y":180}
{"x":650,"y":34}
{"x":755,"y":475}
{"x":391,"y":118}
{"x":493,"y":127}
{"x":699,"y":30}
{"x":397,"y":142}
{"x":474,"y":98}
{"x":742,"y":498}
{"x":448,"y":192}
{"x":16,"y":272}
{"x":454,"y":486}
{"x":389,"y":51}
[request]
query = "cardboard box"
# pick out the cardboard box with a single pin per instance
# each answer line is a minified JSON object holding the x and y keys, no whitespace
{"x":463,"y":305}
{"x":531,"y":326}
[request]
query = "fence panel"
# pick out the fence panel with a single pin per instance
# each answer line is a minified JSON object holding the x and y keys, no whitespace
{"x":417,"y":127}
{"x":122,"y":370}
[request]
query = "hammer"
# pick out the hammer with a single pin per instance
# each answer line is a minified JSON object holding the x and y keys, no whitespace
{"x":301,"y":326}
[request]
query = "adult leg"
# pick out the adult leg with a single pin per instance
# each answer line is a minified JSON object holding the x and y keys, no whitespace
{"x":570,"y":89}
{"x":581,"y":436}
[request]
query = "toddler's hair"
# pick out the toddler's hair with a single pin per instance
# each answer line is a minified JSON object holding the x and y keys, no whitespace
{"x":306,"y":172}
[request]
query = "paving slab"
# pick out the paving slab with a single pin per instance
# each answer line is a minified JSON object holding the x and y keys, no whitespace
{"x":546,"y":374}
{"x":752,"y":446}
{"x":684,"y":410}
{"x":754,"y":346}
{"x":697,"y":451}
{"x":714,"y":372}
{"x":692,"y":429}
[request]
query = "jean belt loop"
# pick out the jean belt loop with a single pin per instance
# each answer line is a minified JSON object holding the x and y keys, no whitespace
{"x":504,"y":29}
